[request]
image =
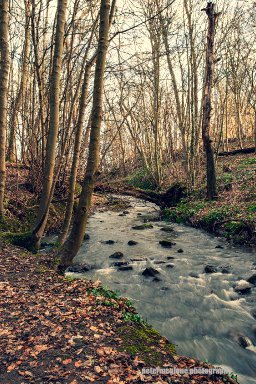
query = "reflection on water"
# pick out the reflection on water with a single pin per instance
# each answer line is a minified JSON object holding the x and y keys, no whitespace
{"x":199,"y":312}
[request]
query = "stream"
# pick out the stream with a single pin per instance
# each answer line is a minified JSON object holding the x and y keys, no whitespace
{"x":199,"y":312}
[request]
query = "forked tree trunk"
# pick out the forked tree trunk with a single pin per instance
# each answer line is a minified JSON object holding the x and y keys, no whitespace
{"x":207,"y":103}
{"x":75,"y":162}
{"x":42,"y":216}
{"x":4,"y":74}
{"x":78,"y":136}
{"x":75,"y":239}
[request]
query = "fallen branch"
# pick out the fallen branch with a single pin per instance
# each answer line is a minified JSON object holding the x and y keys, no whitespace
{"x":238,"y":151}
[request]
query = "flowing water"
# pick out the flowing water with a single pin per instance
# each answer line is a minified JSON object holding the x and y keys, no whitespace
{"x":201,"y":313}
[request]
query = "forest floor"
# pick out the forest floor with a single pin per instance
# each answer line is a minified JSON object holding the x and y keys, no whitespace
{"x":59,"y":330}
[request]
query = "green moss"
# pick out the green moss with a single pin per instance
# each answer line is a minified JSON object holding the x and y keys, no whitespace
{"x":142,"y":179}
{"x":145,"y":342}
{"x":20,"y":239}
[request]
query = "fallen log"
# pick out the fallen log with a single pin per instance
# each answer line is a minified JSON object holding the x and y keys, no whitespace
{"x":165,"y":199}
{"x":238,"y":151}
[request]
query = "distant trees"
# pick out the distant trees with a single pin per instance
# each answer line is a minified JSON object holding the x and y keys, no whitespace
{"x":161,"y":105}
{"x":4,"y":74}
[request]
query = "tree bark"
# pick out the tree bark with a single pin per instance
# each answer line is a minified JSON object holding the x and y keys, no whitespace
{"x":4,"y":75}
{"x":42,"y":216}
{"x":75,"y":239}
{"x":11,"y":152}
{"x":207,"y":102}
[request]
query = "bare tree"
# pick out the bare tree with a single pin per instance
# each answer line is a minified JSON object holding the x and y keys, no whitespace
{"x":4,"y":73}
{"x":207,"y":103}
{"x":74,"y":241}
{"x":42,"y":216}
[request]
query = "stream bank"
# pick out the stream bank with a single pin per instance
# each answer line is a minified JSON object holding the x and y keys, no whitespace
{"x":61,"y":330}
{"x":197,"y":298}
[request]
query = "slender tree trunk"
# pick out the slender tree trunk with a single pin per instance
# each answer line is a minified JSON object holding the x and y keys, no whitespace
{"x":207,"y":102}
{"x":42,"y":216}
{"x":11,"y":152}
{"x":75,"y":162}
{"x":75,"y":239}
{"x":4,"y":74}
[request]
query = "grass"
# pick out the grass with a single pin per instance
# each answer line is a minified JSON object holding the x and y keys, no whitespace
{"x":233,"y":214}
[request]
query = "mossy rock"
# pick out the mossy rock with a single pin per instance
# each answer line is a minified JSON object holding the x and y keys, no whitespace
{"x":147,"y":343}
{"x":142,"y":226}
{"x":22,"y":239}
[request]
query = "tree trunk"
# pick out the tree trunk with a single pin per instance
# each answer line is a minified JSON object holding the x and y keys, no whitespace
{"x":4,"y":74}
{"x":11,"y":152}
{"x":207,"y":104}
{"x":42,"y":216}
{"x":75,"y":239}
{"x":75,"y":162}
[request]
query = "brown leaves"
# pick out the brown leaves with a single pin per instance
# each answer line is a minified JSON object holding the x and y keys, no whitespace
{"x":67,"y":361}
{"x":62,"y":332}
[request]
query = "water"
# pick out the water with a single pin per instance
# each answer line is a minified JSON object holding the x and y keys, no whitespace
{"x":200,"y":315}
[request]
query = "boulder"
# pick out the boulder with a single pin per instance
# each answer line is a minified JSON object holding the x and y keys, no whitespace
{"x":240,"y":339}
{"x":169,"y":266}
{"x":109,"y":242}
{"x":226,"y":269}
{"x":219,"y":247}
{"x":165,"y":289}
{"x":166,"y":243}
{"x":79,"y":268}
{"x":194,"y":275}
{"x":125,"y":268}
{"x":116,"y":255}
{"x":210,"y":269}
{"x":252,"y":280}
{"x":180,"y":250}
{"x":159,"y":262}
{"x":132,"y":242}
{"x":156,"y":279}
{"x":138,"y":259}
{"x":243,"y":288}
{"x":150,"y":272}
{"x":119,"y":263}
{"x":142,"y":227}
{"x":86,"y":237}
{"x":170,"y":258}
{"x":167,"y":229}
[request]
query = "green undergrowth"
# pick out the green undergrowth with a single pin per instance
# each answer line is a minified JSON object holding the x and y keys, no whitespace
{"x":233,"y":214}
{"x":138,"y":338}
{"x":236,"y":223}
{"x":20,"y":239}
{"x":145,"y":342}
{"x":142,"y":179}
